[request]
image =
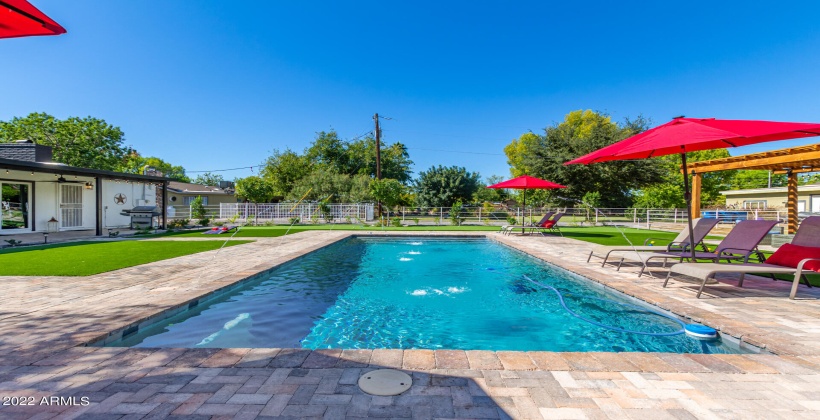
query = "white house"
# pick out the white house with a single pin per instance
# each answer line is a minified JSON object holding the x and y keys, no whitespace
{"x":34,"y":191}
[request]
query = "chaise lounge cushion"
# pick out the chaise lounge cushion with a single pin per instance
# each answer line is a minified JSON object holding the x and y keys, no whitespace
{"x":789,"y":255}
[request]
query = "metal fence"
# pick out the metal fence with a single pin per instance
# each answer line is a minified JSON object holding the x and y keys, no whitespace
{"x":469,"y":215}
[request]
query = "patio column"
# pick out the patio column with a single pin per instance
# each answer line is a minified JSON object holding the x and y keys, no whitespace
{"x":98,"y":193}
{"x":164,"y":205}
{"x":791,"y":202}
{"x":696,"y":202}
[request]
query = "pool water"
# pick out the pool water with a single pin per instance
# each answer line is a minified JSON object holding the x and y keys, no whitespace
{"x":421,"y":293}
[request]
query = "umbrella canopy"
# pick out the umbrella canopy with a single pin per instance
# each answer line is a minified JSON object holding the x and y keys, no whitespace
{"x":19,"y":18}
{"x":526,"y":182}
{"x":683,"y":135}
{"x":692,"y":134}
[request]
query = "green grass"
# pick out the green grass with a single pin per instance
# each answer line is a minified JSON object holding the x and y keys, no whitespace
{"x":604,"y":235}
{"x":87,"y":258}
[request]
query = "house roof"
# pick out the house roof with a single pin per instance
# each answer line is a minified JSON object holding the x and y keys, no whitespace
{"x":186,"y":188}
{"x":62,"y":169}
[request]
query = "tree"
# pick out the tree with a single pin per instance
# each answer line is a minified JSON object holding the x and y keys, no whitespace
{"x":134,"y":163}
{"x":492,"y":195}
{"x":84,"y":142}
{"x":388,"y":191}
{"x":745,"y":179}
{"x":441,"y":187}
{"x":580,"y":133}
{"x":209,"y":179}
{"x":323,"y":184}
{"x":283,"y":169}
{"x":668,"y":193}
{"x":254,"y":189}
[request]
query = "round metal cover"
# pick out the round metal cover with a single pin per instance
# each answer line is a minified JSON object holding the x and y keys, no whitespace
{"x":385,"y":382}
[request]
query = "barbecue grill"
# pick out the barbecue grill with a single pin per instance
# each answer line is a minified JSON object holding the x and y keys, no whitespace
{"x":142,"y":216}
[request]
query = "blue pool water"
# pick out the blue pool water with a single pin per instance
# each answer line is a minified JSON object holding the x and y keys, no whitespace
{"x":425,"y":293}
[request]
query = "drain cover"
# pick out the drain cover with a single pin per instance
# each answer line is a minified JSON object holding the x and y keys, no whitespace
{"x":385,"y":382}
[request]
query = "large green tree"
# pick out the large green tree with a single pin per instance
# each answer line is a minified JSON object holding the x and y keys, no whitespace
{"x":283,"y":169}
{"x":580,"y":133}
{"x":209,"y":179}
{"x":84,"y":142}
{"x":442,"y":186}
{"x":668,"y":193}
{"x":254,"y":189}
{"x":334,"y":167}
{"x":134,"y":163}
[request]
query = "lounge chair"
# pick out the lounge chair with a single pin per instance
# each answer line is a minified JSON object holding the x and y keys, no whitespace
{"x":740,"y":244}
{"x":800,"y":255}
{"x":550,"y":225}
{"x":680,"y":243}
{"x":507,"y":229}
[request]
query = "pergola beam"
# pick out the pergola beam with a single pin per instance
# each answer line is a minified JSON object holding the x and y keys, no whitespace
{"x":795,"y":161}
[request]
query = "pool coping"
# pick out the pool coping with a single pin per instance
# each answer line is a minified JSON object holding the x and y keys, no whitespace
{"x":744,"y":334}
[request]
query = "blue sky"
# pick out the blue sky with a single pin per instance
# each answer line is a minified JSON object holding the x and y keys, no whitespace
{"x":219,"y":84}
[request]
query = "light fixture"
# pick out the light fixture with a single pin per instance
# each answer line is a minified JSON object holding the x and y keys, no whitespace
{"x":89,"y":186}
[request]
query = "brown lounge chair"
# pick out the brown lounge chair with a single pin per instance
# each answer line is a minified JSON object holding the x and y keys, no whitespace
{"x":507,"y":229}
{"x":806,"y":243}
{"x":740,"y":244}
{"x":702,"y":227}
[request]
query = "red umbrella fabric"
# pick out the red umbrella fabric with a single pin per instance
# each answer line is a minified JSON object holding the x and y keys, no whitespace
{"x":683,"y":135}
{"x":19,"y":18}
{"x":692,"y":134}
{"x":526,"y":182}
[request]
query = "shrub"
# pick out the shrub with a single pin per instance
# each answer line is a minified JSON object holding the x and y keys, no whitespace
{"x":294,"y":220}
{"x":415,"y":220}
{"x":204,"y":222}
{"x":198,"y":209}
{"x":511,"y":220}
{"x":396,"y":221}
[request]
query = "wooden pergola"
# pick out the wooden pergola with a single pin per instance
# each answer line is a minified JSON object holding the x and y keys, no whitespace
{"x":790,"y":161}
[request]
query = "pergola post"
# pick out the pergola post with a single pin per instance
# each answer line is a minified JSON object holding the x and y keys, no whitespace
{"x":696,"y":201}
{"x":791,"y":202}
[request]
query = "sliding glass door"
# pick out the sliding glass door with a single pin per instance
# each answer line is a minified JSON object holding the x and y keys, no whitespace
{"x":14,"y":207}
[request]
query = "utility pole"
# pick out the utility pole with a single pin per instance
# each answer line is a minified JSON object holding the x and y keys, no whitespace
{"x":378,"y":159}
{"x":378,"y":148}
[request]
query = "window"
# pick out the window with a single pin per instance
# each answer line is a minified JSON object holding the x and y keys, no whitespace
{"x":188,"y":200}
{"x":754,"y":204}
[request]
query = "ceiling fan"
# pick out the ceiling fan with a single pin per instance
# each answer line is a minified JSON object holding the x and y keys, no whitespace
{"x":62,"y":180}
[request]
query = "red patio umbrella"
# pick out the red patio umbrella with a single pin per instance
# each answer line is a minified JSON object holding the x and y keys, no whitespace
{"x":526,"y":182}
{"x":19,"y":18}
{"x":683,"y":135}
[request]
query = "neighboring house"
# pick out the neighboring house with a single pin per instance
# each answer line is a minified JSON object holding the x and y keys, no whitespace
{"x":808,"y":198}
{"x":182,"y":194}
{"x":35,"y":190}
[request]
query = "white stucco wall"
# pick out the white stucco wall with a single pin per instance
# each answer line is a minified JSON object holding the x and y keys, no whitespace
{"x":135,"y":195}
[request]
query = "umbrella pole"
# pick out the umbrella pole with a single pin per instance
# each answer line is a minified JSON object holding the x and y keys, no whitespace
{"x":688,"y":197}
{"x":523,"y":211}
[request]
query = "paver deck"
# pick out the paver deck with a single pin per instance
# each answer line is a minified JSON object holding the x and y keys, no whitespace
{"x":46,"y":321}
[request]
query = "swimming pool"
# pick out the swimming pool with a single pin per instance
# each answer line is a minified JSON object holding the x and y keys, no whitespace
{"x":420,"y":292}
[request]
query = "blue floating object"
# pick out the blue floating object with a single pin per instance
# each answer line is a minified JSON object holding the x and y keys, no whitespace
{"x":700,"y":331}
{"x":490,"y":269}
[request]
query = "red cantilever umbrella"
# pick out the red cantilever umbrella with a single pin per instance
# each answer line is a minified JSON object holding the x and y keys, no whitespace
{"x":526,"y":182}
{"x":19,"y":18}
{"x":683,"y":135}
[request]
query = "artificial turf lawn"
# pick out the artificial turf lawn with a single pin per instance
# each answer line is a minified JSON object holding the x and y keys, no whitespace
{"x":604,"y":235}
{"x":87,"y":258}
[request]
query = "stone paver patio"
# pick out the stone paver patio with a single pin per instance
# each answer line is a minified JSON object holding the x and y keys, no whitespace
{"x":45,"y":323}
